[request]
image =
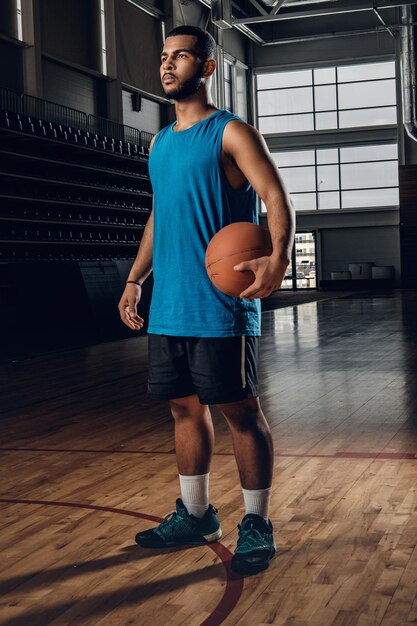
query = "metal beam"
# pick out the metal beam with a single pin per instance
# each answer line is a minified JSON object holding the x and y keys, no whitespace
{"x":333,"y":7}
{"x":343,"y":33}
{"x":277,"y":8}
{"x":381,"y":19}
{"x":259,"y":7}
{"x":249,"y":33}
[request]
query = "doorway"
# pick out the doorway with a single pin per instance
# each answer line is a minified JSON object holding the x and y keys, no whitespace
{"x":301,"y":273}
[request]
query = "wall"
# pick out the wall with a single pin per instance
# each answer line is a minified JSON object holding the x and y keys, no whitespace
{"x":323,"y":50}
{"x":69,"y":87}
{"x":148,"y":119}
{"x":377,"y":244}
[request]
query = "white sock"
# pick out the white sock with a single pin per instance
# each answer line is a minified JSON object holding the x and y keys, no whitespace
{"x":195,"y":493}
{"x":257,"y":501}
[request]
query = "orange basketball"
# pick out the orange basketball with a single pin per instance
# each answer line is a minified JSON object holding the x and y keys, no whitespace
{"x":241,"y":241}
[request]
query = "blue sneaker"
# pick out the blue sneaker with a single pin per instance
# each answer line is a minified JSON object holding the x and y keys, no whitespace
{"x":180,"y":529}
{"x":255,"y":545}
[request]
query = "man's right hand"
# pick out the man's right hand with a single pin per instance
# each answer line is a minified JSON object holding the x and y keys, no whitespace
{"x":127,"y":307}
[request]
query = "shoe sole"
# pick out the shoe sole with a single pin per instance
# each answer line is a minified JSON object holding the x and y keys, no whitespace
{"x":210,"y":538}
{"x":240,"y":567}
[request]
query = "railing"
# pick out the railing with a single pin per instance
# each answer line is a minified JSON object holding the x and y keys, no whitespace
{"x":145,"y":139}
{"x":59,"y":114}
{"x":107,"y":128}
{"x":42,"y":109}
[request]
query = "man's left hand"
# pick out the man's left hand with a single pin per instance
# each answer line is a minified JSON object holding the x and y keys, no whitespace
{"x":269,"y":274}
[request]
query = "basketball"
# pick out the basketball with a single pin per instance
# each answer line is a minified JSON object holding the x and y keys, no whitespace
{"x":241,"y":241}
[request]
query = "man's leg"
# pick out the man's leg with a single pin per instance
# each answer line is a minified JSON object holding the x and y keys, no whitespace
{"x":194,"y":442}
{"x":195,"y":520}
{"x":252,"y":443}
{"x":194,"y":435}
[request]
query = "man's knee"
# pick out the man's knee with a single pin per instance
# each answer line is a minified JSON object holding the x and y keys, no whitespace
{"x":243,"y":415}
{"x":186,"y":408}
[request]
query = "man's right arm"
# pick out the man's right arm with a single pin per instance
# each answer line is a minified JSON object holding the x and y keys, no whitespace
{"x":140,"y":270}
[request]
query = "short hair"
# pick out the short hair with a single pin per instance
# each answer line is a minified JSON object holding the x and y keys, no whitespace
{"x":206,"y":45}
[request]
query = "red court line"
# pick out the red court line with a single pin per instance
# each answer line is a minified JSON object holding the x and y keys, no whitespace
{"x":234,"y":584}
{"x":337,"y":455}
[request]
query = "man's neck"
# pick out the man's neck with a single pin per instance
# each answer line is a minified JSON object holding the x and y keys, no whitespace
{"x":189,"y":113}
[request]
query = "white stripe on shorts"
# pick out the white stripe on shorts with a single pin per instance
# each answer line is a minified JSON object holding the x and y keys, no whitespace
{"x":242,"y":362}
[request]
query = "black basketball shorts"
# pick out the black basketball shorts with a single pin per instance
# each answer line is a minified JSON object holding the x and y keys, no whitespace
{"x":217,"y":369}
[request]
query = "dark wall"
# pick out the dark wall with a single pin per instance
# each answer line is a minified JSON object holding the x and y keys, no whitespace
{"x":11,"y":64}
{"x":70,"y":30}
{"x":70,"y":87}
{"x":408,"y":224}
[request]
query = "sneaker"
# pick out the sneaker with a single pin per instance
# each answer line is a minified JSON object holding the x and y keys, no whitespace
{"x":255,"y":545}
{"x":180,"y":528}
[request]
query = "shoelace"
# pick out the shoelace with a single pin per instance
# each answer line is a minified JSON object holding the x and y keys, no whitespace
{"x":168,"y":519}
{"x":249,"y":534}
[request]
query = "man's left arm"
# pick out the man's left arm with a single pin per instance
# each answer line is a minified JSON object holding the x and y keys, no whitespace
{"x":246,"y":146}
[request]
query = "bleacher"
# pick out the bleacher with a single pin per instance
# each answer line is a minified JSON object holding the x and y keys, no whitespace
{"x":73,"y":187}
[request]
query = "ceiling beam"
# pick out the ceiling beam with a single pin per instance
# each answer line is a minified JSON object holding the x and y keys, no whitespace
{"x":277,"y":7}
{"x":259,"y":7}
{"x":333,"y":7}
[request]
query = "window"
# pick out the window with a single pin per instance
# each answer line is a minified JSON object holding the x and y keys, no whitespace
{"x":327,"y":98}
{"x":228,"y":86}
{"x":19,"y":20}
{"x":341,"y":178}
{"x":103,"y":38}
{"x":354,"y":169}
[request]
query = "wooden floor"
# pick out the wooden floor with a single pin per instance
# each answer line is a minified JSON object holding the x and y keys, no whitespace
{"x":87,"y":460}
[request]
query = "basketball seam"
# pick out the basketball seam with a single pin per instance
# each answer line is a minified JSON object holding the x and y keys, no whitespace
{"x":225,"y":256}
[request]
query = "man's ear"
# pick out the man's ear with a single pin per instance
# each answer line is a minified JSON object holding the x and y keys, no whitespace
{"x":209,"y":68}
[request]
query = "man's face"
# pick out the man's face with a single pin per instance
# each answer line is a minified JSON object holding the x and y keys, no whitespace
{"x":181,"y":69}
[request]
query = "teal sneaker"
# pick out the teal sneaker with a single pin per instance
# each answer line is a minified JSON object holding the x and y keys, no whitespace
{"x":180,"y":529}
{"x":255,"y":545}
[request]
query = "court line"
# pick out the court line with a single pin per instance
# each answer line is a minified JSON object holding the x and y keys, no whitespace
{"x":409,"y":456}
{"x":234,"y":584}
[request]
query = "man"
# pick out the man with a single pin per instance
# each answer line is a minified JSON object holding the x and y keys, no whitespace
{"x":206,"y":169}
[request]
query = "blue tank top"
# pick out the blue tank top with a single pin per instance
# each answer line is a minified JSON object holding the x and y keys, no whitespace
{"x":193,"y":200}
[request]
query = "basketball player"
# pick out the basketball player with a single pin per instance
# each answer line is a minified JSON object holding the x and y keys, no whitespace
{"x":206,"y":169}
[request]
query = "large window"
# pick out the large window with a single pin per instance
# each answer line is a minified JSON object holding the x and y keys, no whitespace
{"x":354,"y":163}
{"x":327,"y":98}
{"x":341,"y":178}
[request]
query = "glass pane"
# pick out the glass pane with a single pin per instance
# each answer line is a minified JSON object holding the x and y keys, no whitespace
{"x":328,"y":177}
{"x":299,"y":178}
{"x":285,"y":101}
{"x":370,"y":198}
{"x":324,"y":76}
{"x":329,"y":200}
{"x":286,"y":123}
{"x":227,"y":70}
{"x":241,"y":95}
{"x":304,"y":201}
{"x":366,"y":175}
{"x":326,"y":120}
{"x":366,"y":95}
{"x":227,"y":99}
{"x":296,"y":157}
{"x":368,"y":117}
{"x":287,"y":282}
{"x":284,"y":79}
{"x":327,"y":156}
{"x":325,"y":98}
{"x":365,"y":71}
{"x":369,"y":153}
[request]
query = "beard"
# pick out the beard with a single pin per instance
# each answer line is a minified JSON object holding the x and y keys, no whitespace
{"x":188,"y":88}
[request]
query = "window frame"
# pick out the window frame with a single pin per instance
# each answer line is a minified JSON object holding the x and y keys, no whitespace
{"x":336,"y":137}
